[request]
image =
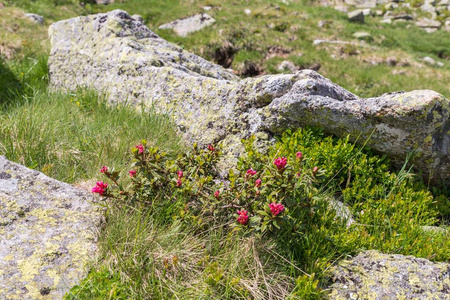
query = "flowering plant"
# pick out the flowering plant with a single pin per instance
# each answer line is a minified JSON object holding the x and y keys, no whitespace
{"x":190,"y":188}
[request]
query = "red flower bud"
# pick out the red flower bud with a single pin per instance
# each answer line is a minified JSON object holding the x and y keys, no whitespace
{"x":315,"y":170}
{"x":258,"y":183}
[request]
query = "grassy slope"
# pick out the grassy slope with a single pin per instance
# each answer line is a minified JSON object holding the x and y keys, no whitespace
{"x":69,"y":136}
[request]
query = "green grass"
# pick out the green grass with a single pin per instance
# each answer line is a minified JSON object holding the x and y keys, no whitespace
{"x":69,"y":136}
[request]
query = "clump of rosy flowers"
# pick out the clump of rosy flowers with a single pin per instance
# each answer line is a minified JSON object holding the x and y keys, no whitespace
{"x":258,"y":183}
{"x":100,"y":188}
{"x":242,"y":217}
{"x":280,"y":163}
{"x":140,"y":148}
{"x":179,"y":175}
{"x":276,"y":208}
{"x":251,"y":172}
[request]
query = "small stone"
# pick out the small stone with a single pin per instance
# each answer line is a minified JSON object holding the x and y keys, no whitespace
{"x":35,"y":18}
{"x":183,"y":27}
{"x":356,"y":16}
{"x":104,"y":2}
{"x":379,"y":12}
{"x":425,"y":22}
{"x":429,"y":60}
{"x":206,"y":8}
{"x":386,"y":21}
{"x":428,"y":8}
{"x":447,"y":26}
{"x":430,"y":30}
{"x":391,"y":6}
{"x":247,"y":11}
{"x":367,"y":12}
{"x":361,"y":35}
{"x":286,"y":65}
{"x":322,"y":24}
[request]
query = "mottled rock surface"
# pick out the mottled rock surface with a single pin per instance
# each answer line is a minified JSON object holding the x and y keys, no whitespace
{"x":47,"y":234}
{"x":374,"y":275}
{"x":118,"y":55}
{"x":35,"y":18}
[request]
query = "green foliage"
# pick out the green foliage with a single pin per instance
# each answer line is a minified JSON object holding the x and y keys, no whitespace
{"x":283,"y":196}
{"x":68,"y":135}
{"x":99,"y":285}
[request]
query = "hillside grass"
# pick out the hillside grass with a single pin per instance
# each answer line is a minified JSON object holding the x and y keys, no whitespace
{"x":151,"y":254}
{"x":392,"y":61}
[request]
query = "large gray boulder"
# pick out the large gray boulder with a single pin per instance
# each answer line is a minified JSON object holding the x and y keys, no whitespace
{"x":119,"y":56}
{"x":47,"y":234}
{"x":374,"y":275}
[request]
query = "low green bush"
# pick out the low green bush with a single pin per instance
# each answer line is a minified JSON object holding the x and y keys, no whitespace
{"x":282,"y":197}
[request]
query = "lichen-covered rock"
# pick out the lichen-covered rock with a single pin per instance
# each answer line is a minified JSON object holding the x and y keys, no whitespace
{"x":47,"y":234}
{"x":374,"y":275}
{"x":119,"y":56}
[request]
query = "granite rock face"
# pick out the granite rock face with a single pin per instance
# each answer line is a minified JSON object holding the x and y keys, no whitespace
{"x":117,"y":55}
{"x":374,"y":275}
{"x":47,"y":234}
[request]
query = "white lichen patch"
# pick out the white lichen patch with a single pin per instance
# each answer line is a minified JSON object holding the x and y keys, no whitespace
{"x":47,"y":234}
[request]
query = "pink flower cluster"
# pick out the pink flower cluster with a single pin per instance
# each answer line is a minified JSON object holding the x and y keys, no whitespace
{"x":217,"y":194}
{"x":211,"y":148}
{"x":258,"y":183}
{"x":180,"y":175}
{"x":299,"y":155}
{"x":280,"y":163}
{"x":100,"y":188}
{"x":132,"y":173}
{"x":251,"y":172}
{"x":243,"y":217}
{"x":315,"y":170}
{"x":104,"y":169}
{"x":276,"y":208}
{"x":140,"y":147}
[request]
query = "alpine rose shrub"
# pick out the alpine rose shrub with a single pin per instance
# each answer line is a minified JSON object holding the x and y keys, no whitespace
{"x":188,"y":193}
